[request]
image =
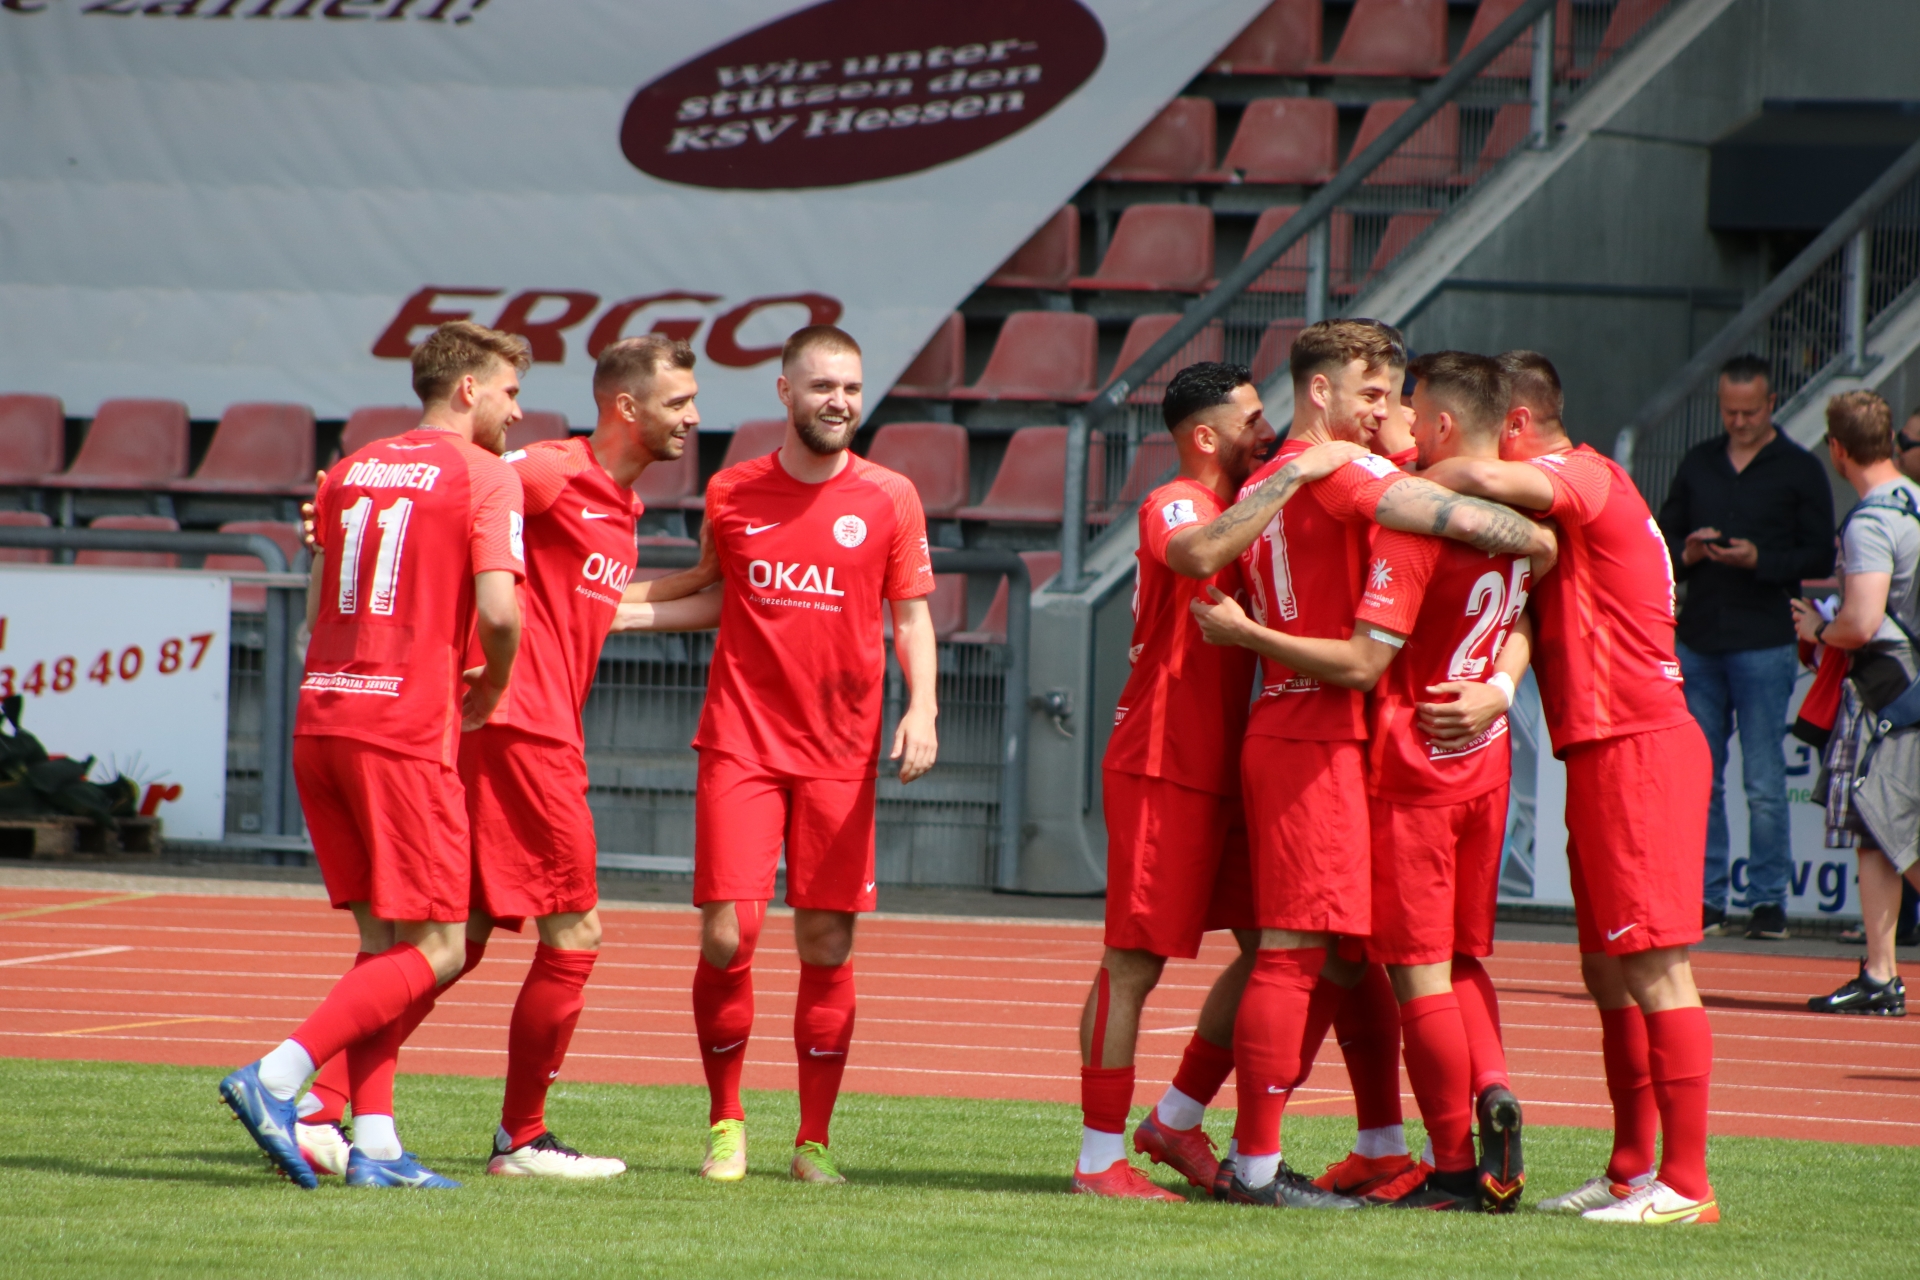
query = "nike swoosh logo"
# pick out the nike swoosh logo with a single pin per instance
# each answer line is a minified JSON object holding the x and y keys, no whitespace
{"x":726,"y":1048}
{"x":829,"y":1053}
{"x":553,"y":1075}
{"x":587,"y":513}
{"x":761,"y":528}
{"x":1656,"y":1217}
{"x":869,"y":888}
{"x":1614,"y":935}
{"x":1274,"y":1088}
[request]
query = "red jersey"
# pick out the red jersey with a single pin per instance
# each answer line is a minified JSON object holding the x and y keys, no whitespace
{"x":1455,"y":605}
{"x":1184,"y":708}
{"x":404,"y":525}
{"x":579,"y":559}
{"x":1303,"y":574}
{"x":797,"y":675}
{"x":1604,"y":617}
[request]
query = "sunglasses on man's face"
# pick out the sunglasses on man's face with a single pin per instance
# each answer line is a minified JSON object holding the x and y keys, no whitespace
{"x":1903,"y":442}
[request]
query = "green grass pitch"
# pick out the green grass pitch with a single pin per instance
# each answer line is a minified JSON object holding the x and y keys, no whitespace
{"x":108,"y":1169}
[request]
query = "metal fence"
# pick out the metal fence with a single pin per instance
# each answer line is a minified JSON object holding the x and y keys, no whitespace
{"x":1812,"y":321}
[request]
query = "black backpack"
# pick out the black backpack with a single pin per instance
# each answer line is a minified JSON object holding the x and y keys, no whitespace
{"x":31,"y":782}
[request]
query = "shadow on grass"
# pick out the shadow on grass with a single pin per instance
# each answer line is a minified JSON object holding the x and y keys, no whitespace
{"x":225,"y":1168}
{"x":963,"y":1180}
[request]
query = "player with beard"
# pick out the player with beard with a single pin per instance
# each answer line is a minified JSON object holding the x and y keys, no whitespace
{"x":810,"y":541}
{"x":1176,"y":835}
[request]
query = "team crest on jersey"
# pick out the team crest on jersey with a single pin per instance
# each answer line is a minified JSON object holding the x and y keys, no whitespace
{"x":849,"y":531}
{"x":1178,"y":512}
{"x":1376,"y":466}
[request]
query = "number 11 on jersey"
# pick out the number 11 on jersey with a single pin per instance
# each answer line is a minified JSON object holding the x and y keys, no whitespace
{"x":392,"y":523}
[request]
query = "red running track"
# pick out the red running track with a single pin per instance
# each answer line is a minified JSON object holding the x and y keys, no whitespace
{"x":950,"y":1007}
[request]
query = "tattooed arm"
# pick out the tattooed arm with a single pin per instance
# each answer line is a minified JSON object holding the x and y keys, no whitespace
{"x":1206,"y":549}
{"x":1417,"y":505}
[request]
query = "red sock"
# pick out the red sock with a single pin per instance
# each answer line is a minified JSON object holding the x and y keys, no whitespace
{"x":1269,"y":1042}
{"x":367,"y":998}
{"x":723,"y":1016}
{"x":1368,"y":1029}
{"x":543,"y":1020}
{"x":372,"y":1062}
{"x":1480,"y":1015}
{"x":1623,"y":1048}
{"x":1438,"y":1066}
{"x":1106,"y":1095}
{"x":1680,"y":1055}
{"x":330,"y":1086}
{"x":1204,"y":1067}
{"x":822,"y":1032}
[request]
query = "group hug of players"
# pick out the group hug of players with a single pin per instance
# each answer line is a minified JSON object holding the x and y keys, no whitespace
{"x":1344,"y":818}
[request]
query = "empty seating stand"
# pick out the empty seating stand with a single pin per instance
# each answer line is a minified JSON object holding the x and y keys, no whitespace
{"x":24,"y":520}
{"x":1402,"y":38}
{"x":1289,"y":273}
{"x":1283,"y":41}
{"x":536,"y":424}
{"x":755,"y":438}
{"x":377,"y":422}
{"x":1153,"y":460}
{"x":1402,"y":230}
{"x":258,"y":448}
{"x":1509,"y":130}
{"x":1276,"y":344}
{"x":1209,"y":344}
{"x":133,"y":559}
{"x":1159,"y":247}
{"x":931,"y":454}
{"x":1290,"y":140}
{"x":1041,"y":566}
{"x":947,"y":604}
{"x":132,"y":444}
{"x":675,"y":485}
{"x":1431,"y":157}
{"x":1178,"y":145}
{"x":1028,"y":487}
{"x":942,"y":363}
{"x":1048,"y":260}
{"x":251,"y":597}
{"x":1515,"y":62}
{"x":1041,"y":355}
{"x":32,"y":438}
{"x":1628,"y":17}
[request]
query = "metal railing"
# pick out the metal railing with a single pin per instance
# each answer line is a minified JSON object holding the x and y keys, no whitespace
{"x":1500,"y":98}
{"x":1812,"y":322}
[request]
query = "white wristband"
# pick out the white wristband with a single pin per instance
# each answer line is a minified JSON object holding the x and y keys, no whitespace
{"x":1504,"y":683}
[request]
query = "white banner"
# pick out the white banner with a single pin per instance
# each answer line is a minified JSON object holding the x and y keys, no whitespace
{"x":223,"y":200}
{"x":130,"y":668}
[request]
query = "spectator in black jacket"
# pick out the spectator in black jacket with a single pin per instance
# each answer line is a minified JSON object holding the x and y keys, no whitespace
{"x":1750,"y":515}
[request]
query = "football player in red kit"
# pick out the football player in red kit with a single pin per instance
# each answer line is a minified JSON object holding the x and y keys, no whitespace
{"x":1443,"y":622}
{"x":1176,"y":837}
{"x":419,"y":547}
{"x":1637,"y":787}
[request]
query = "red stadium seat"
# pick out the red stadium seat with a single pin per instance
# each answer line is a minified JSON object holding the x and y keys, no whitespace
{"x":1276,"y":344}
{"x":258,"y":448}
{"x":1430,"y":157}
{"x":1283,"y":41}
{"x":1049,"y":258}
{"x":1515,"y":62}
{"x":1158,"y":246}
{"x":754,"y":439}
{"x":947,"y":604}
{"x":931,"y":454}
{"x":1510,"y":126}
{"x":1028,"y":487}
{"x":1402,"y":230}
{"x":32,"y":438}
{"x":1628,"y":17}
{"x":133,"y":559}
{"x":1041,"y":566}
{"x":251,"y":597}
{"x":1292,"y":140}
{"x":1040,"y":355}
{"x":377,"y":423}
{"x":535,"y":424}
{"x":1391,"y":38}
{"x":25,"y":520}
{"x":1289,"y":274}
{"x":670,"y":486}
{"x":941,"y":365}
{"x":132,"y":444}
{"x":1209,"y":344}
{"x":1152,"y":462}
{"x":1178,"y":145}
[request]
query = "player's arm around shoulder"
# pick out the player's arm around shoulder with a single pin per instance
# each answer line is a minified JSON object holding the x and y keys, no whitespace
{"x":676,"y":586}
{"x":916,"y":742}
{"x":1424,"y":504}
{"x":1206,"y":549}
{"x":1354,"y":663}
{"x":697,"y":612}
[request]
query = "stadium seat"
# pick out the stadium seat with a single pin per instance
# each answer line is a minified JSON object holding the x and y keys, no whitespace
{"x":1391,"y":38}
{"x":1040,"y":355}
{"x":1049,"y":258}
{"x":1289,"y":274}
{"x":1209,"y":344}
{"x":536,"y":424}
{"x":1509,"y":130}
{"x":1283,"y":41}
{"x":1402,"y":230}
{"x":1276,"y":344}
{"x":133,"y":559}
{"x":132,"y":444}
{"x":32,"y":438}
{"x":1178,"y":145}
{"x":1628,"y":17}
{"x":947,"y":604}
{"x":1152,"y":461}
{"x":1515,"y":62}
{"x":251,"y":597}
{"x":1158,"y":246}
{"x":377,"y":423}
{"x":671,"y":486}
{"x":1430,"y":157}
{"x":931,"y":454}
{"x":1028,"y":487}
{"x":258,"y":448}
{"x":754,"y":439}
{"x":1041,"y":566}
{"x":25,"y":520}
{"x":941,"y":364}
{"x":1292,"y":140}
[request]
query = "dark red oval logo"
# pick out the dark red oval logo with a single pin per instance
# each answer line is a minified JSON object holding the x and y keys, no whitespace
{"x":858,"y":90}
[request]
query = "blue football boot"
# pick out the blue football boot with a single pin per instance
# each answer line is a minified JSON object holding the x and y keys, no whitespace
{"x":269,"y":1121}
{"x":364,"y":1171}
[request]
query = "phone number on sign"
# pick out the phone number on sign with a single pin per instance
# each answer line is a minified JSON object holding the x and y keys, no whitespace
{"x":60,"y":675}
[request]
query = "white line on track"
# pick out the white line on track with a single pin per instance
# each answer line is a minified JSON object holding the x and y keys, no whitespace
{"x":63,"y":955}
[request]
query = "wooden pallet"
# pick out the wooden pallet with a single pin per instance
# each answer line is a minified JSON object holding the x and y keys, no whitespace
{"x":59,"y":836}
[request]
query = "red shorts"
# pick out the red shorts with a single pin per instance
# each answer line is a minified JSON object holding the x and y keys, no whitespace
{"x":1637,"y":838}
{"x":1176,"y":864}
{"x":534,"y":851}
{"x":1436,"y":878}
{"x":742,"y":813}
{"x":1307,"y":821}
{"x":388,"y":829}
